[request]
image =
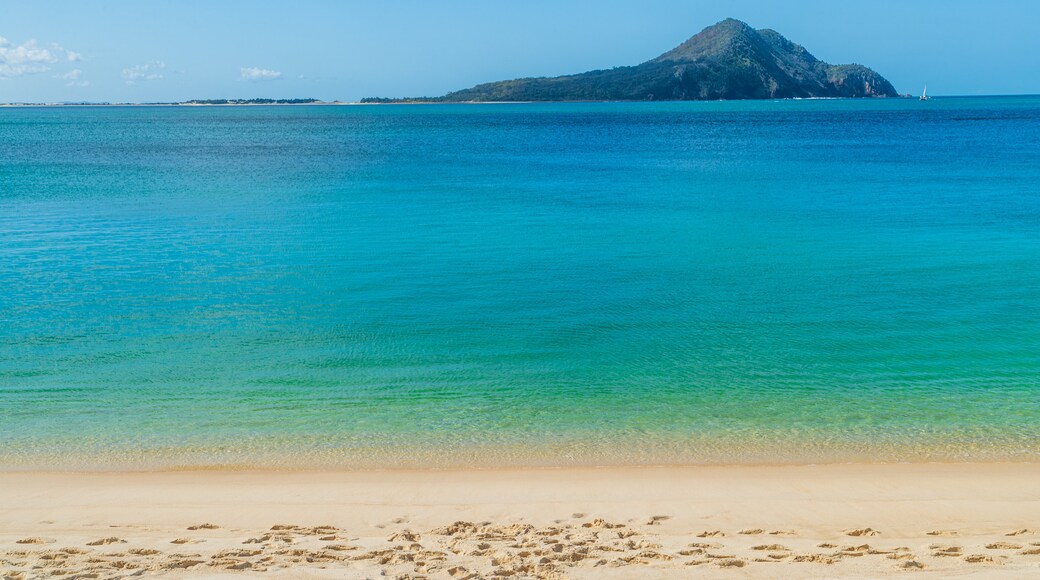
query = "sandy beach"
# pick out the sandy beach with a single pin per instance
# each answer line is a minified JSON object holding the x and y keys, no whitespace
{"x":854,"y":521}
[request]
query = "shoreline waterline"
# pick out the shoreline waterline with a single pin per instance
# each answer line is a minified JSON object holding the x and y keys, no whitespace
{"x":562,"y":468}
{"x":412,"y":459}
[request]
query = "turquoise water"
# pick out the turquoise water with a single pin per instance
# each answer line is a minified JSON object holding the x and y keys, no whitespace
{"x":520,"y":284}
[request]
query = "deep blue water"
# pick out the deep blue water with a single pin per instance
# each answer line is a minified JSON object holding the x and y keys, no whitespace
{"x":513,"y":284}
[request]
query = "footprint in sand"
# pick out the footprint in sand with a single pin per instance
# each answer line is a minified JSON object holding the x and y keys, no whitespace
{"x":826,"y":545}
{"x":879,"y":551}
{"x":187,"y":563}
{"x":283,"y":527}
{"x":1021,"y":532}
{"x":691,"y":552}
{"x":783,"y":533}
{"x":106,"y":541}
{"x":36,"y":540}
{"x":854,"y":551}
{"x":814,"y":559}
{"x":1030,"y":552}
{"x":711,"y":534}
{"x":752,"y":532}
{"x":978,"y":559}
{"x":143,"y":552}
{"x":186,"y":541}
{"x":656,"y":520}
{"x":237,"y":553}
{"x":857,"y":532}
{"x":1003,"y":546}
{"x":941,"y":550}
{"x":770,"y":547}
{"x":731,"y":563}
{"x":203,"y":527}
{"x":942,"y":533}
{"x":912,"y":565}
{"x":601,"y":523}
{"x":404,"y":536}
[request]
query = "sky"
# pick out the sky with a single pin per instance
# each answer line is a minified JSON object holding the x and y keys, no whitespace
{"x":174,"y":50}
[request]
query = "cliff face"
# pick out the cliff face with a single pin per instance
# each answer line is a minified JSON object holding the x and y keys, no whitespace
{"x":854,"y":80}
{"x":729,"y":60}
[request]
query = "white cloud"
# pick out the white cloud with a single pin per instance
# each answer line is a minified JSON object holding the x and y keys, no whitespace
{"x":73,"y":56}
{"x":259,"y":74}
{"x":149,"y":71}
{"x":24,"y":59}
{"x":74,"y":78}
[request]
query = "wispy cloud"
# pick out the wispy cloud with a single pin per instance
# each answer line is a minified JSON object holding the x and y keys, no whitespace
{"x":29,"y":58}
{"x":259,"y":74}
{"x":74,"y":78}
{"x":149,"y":71}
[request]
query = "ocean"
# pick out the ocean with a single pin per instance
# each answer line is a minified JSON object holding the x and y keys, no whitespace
{"x":520,"y":284}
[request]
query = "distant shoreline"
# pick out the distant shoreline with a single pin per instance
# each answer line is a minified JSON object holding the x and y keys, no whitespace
{"x":185,"y":104}
{"x":395,"y":103}
{"x":360,"y":103}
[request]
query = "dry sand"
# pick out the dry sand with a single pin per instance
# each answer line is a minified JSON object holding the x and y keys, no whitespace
{"x":850,"y":521}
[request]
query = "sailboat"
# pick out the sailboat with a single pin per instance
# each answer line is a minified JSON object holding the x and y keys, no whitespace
{"x":924,"y":93}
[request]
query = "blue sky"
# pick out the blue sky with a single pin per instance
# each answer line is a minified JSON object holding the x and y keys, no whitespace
{"x":165,"y":50}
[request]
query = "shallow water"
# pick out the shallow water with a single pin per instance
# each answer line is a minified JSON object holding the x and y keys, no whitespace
{"x":520,"y":284}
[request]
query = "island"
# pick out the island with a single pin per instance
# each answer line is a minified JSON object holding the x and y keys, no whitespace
{"x":728,"y":60}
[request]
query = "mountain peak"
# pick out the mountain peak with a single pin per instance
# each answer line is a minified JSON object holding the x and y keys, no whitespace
{"x":731,"y":23}
{"x":728,"y":36}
